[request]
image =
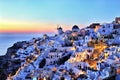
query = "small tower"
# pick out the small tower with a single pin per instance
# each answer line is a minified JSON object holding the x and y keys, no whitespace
{"x":60,"y":30}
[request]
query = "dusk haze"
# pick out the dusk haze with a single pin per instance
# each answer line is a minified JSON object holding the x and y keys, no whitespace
{"x":45,"y":15}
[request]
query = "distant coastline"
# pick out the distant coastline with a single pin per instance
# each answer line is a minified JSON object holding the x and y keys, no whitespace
{"x":8,"y":39}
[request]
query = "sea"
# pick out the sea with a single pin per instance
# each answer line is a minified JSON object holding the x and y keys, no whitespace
{"x":8,"y":39}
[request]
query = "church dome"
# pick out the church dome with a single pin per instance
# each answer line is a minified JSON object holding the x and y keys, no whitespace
{"x":75,"y":28}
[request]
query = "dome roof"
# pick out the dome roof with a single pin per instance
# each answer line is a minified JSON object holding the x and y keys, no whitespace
{"x":75,"y":27}
{"x":59,"y":28}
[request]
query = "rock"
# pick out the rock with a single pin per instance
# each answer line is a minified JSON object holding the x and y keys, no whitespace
{"x":14,"y":48}
{"x":5,"y":60}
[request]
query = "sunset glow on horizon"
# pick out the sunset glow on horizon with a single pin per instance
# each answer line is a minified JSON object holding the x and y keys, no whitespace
{"x":8,"y":26}
{"x":44,"y":15}
{"x":24,"y":26}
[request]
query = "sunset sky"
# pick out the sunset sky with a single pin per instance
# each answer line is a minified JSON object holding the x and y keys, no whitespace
{"x":45,"y":15}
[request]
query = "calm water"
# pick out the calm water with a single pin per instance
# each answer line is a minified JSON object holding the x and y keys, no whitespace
{"x":7,"y":40}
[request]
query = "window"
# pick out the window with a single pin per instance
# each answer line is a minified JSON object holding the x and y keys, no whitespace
{"x":51,"y":56}
{"x":103,"y":26}
{"x":103,"y":30}
{"x":54,"y":62}
{"x":51,"y":62}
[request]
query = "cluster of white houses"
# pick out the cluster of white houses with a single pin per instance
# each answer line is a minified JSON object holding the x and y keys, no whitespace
{"x":87,"y":53}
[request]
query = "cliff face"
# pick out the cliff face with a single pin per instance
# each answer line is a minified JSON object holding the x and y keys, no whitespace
{"x":7,"y":66}
{"x":14,"y":48}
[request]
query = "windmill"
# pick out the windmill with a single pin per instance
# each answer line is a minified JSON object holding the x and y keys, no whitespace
{"x":60,"y":31}
{"x":58,"y":26}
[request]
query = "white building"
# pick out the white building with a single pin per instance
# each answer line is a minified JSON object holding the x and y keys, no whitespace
{"x":53,"y":57}
{"x":106,"y":29}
